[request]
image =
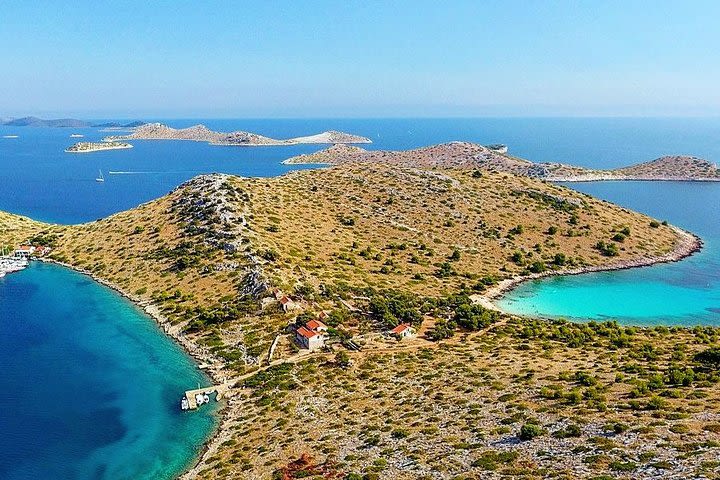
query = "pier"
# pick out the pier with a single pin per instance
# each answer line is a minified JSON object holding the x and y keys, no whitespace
{"x":189,"y":399}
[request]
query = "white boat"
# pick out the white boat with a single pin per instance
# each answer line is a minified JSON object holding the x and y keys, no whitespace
{"x":76,"y":135}
{"x":10,"y":136}
{"x":10,"y":264}
{"x":206,"y":397}
{"x":100,"y":178}
{"x":184,"y":404}
{"x":199,"y":399}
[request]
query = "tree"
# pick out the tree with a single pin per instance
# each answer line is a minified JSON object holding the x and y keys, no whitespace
{"x":530,"y":431}
{"x":442,"y":330}
{"x":474,"y":316}
{"x":709,"y":358}
{"x":518,"y":257}
{"x":342,"y":359}
{"x":537,"y":267}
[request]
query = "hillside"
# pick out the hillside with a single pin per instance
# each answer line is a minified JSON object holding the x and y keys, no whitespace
{"x":471,"y":155}
{"x":200,"y":133}
{"x":15,"y":229}
{"x":429,"y":233}
{"x":675,"y":167}
{"x":372,"y":245}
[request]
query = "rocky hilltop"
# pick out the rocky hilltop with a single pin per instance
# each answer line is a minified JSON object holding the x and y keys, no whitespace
{"x":471,"y":155}
{"x":200,"y":133}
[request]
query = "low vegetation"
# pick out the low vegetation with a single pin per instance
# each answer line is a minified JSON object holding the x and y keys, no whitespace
{"x":371,"y":247}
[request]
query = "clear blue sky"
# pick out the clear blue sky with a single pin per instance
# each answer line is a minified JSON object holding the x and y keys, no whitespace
{"x":345,"y":58}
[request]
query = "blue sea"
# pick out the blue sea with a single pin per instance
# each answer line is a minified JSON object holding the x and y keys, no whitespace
{"x":91,"y":384}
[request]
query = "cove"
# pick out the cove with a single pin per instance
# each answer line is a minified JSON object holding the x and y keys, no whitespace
{"x":90,"y":384}
{"x":682,"y":293}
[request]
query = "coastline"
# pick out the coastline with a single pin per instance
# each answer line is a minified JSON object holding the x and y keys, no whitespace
{"x":610,"y":178}
{"x":687,"y":245}
{"x":200,"y":358}
{"x":99,"y":149}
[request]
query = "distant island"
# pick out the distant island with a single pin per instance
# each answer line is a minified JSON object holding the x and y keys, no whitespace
{"x":133,"y":124}
{"x":39,"y":122}
{"x":200,"y":133}
{"x":88,"y":147}
{"x":471,"y":155}
{"x":64,"y":123}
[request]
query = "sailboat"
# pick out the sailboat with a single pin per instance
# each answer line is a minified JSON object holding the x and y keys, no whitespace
{"x":100,"y":178}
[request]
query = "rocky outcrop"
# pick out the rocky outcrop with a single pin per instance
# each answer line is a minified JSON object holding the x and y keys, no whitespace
{"x":87,"y":147}
{"x":473,"y":156}
{"x":200,"y":133}
{"x":158,"y":131}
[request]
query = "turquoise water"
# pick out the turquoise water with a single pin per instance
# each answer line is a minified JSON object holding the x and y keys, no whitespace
{"x":90,"y":385}
{"x":683,"y":293}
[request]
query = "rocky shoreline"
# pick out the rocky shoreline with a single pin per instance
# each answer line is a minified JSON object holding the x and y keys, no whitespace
{"x":199,"y":356}
{"x":687,"y":245}
{"x":89,"y":147}
{"x":467,"y":155}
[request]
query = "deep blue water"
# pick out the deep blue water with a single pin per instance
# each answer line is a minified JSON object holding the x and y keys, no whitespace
{"x":91,"y":385}
{"x":39,"y":180}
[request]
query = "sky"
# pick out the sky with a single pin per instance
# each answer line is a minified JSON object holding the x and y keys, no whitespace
{"x":345,"y":58}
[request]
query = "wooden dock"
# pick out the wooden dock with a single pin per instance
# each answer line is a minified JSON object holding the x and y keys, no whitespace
{"x":220,"y":390}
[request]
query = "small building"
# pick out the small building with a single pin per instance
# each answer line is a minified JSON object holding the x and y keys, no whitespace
{"x":404,"y":330}
{"x":317,"y":326}
{"x":24,"y":251}
{"x":309,"y":339}
{"x":287,"y":304}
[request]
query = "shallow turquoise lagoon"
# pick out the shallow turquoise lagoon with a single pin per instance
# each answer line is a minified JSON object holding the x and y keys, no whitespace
{"x":682,"y":293}
{"x":90,"y":385}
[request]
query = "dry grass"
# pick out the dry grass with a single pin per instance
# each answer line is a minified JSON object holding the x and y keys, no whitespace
{"x":455,"y":411}
{"x":431,"y":410}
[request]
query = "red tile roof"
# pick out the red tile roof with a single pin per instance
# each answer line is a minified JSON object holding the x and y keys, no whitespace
{"x":315,"y":324}
{"x":307,"y":333}
{"x":400,"y":328}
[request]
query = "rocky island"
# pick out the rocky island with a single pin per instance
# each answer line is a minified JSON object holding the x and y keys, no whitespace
{"x":200,"y":133}
{"x":387,"y":265}
{"x":471,"y":155}
{"x":88,"y":147}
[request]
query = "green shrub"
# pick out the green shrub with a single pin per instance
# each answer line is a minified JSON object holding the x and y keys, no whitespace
{"x":530,"y":431}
